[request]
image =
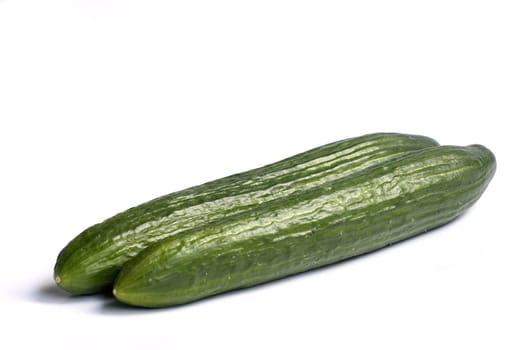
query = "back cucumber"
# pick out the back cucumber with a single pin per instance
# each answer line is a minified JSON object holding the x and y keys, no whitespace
{"x":91,"y":261}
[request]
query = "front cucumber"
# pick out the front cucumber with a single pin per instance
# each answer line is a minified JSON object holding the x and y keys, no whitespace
{"x":337,"y":220}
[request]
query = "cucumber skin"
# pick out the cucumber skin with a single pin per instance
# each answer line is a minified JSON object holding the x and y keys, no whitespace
{"x":91,"y":261}
{"x":348,"y":217}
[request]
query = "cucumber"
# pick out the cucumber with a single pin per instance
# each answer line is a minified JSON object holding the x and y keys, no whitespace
{"x":91,"y":261}
{"x":336,"y":220}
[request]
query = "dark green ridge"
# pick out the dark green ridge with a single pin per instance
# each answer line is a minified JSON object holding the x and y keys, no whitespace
{"x":384,"y":204}
{"x":91,"y":261}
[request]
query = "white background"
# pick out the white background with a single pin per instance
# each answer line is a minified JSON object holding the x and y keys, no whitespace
{"x":105,"y":104}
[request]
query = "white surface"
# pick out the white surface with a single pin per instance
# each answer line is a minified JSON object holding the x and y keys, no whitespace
{"x":107,"y":103}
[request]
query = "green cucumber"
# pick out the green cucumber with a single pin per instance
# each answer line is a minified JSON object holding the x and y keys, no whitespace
{"x":336,"y":220}
{"x":91,"y":261}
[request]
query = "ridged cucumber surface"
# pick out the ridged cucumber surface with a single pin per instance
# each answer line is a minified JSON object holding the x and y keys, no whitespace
{"x":91,"y":261}
{"x":336,"y":220}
